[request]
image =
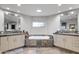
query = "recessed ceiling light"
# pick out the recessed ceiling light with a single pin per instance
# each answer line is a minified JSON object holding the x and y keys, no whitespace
{"x":70,"y":8}
{"x":59,"y":4}
{"x":39,"y":10}
{"x":18,"y":4}
{"x":59,"y":11}
{"x":72,"y":12}
{"x":18,"y":11}
{"x":62,"y":14}
{"x":16,"y":14}
{"x":6,"y":12}
{"x":8,"y":8}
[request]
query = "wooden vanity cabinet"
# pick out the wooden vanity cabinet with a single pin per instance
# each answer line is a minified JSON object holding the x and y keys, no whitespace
{"x":16,"y":41}
{"x":11,"y":42}
{"x":75,"y":44}
{"x":69,"y":42}
{"x":4,"y":44}
{"x":22,"y":40}
{"x":59,"y":40}
{"x":19,"y":41}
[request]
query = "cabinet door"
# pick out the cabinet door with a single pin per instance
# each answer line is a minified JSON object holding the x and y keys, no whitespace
{"x":16,"y":41}
{"x":76,"y":44}
{"x":11,"y":42}
{"x":58,"y":40}
{"x":61,"y":40}
{"x":68,"y":42}
{"x":4,"y":44}
{"x":19,"y":41}
{"x":22,"y":39}
{"x":0,"y":45}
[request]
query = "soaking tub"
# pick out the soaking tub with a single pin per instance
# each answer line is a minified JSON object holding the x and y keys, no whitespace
{"x":39,"y":41}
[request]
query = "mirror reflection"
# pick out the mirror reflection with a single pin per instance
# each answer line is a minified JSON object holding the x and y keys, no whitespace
{"x":11,"y":21}
{"x":68,"y":21}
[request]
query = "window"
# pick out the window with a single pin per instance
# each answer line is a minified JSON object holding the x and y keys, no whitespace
{"x":38,"y":24}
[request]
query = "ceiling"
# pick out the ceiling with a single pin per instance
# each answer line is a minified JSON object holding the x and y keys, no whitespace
{"x":47,"y":9}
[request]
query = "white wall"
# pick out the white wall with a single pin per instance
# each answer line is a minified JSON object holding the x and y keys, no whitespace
{"x":53,"y":24}
{"x":1,"y":20}
{"x":78,"y":22}
{"x":25,"y":23}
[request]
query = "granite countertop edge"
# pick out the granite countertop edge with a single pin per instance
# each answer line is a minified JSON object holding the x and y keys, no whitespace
{"x":11,"y":34}
{"x":69,"y":34}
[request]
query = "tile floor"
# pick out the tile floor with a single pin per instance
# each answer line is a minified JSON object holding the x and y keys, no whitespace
{"x":39,"y":50}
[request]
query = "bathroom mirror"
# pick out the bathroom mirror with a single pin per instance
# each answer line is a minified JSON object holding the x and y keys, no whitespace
{"x":68,"y":21}
{"x":11,"y":21}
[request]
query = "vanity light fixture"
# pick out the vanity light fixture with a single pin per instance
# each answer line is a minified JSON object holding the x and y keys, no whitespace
{"x":38,"y":10}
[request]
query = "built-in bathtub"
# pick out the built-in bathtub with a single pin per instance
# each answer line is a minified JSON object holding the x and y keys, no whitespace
{"x":40,"y":40}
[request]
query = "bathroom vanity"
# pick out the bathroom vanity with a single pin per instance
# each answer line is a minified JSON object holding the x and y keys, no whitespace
{"x":11,"y":41}
{"x":68,"y":41}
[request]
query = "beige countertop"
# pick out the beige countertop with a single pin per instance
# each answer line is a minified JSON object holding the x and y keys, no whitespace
{"x":10,"y":34}
{"x":70,"y":34}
